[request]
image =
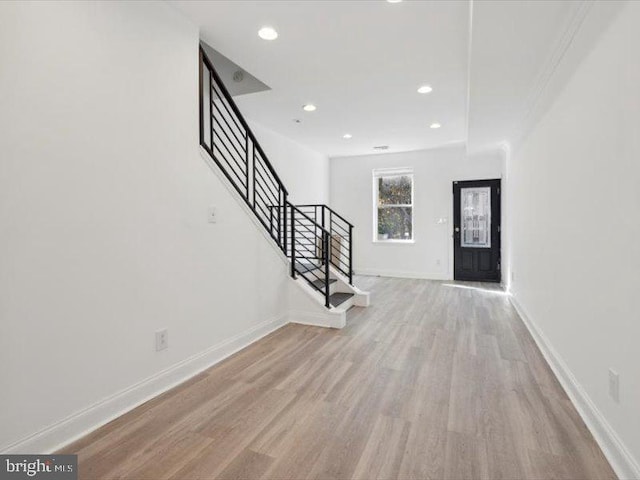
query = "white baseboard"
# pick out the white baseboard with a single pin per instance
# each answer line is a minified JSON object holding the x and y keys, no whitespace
{"x":79,"y":424}
{"x":372,"y":272}
{"x":622,"y":461}
{"x":328,"y":320}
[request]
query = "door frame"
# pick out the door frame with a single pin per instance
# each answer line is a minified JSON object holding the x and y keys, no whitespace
{"x":496,"y":226}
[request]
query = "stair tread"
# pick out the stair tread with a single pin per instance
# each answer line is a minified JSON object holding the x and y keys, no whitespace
{"x":339,"y":298}
{"x":320,"y":283}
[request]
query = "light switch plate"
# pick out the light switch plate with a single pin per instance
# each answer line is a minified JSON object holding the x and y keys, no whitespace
{"x":162,"y":339}
{"x":212,"y":215}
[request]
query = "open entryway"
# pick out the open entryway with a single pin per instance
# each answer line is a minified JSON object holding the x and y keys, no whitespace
{"x":476,"y":230}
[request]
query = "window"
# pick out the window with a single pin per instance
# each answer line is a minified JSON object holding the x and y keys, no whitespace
{"x":393,"y":205}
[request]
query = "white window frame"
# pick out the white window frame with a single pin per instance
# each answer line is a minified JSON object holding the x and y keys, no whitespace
{"x":393,"y":172}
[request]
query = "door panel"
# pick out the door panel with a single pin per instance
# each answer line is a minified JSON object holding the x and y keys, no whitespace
{"x":476,"y":238}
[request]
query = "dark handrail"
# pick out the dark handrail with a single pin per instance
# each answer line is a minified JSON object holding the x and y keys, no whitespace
{"x":316,"y":224}
{"x":242,"y":120}
{"x":244,"y":123}
{"x":331,"y":210}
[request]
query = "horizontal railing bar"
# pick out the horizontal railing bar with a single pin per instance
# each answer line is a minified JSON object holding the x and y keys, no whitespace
{"x":242,"y":154}
{"x":339,"y":261}
{"x":341,"y":227}
{"x":215,"y":87}
{"x":266,"y":183}
{"x":270,"y":189}
{"x":311,"y":249}
{"x":311,"y":231}
{"x":243,"y":178}
{"x":240,"y":141}
{"x":262,"y":211}
{"x":337,"y":234}
{"x":241,"y":163}
{"x":307,"y":249}
{"x":311,"y":271}
{"x":308,"y":243}
{"x":266,"y":162}
{"x":313,"y":258}
{"x":328,"y":208}
{"x":269,"y":181}
{"x":304,"y":215}
{"x":261,"y":193}
{"x":217,"y":98}
{"x":224,"y":90}
{"x":245,"y":194}
{"x":265,"y":173}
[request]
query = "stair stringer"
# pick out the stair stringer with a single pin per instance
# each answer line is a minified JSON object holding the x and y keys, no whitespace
{"x":360,"y":297}
{"x":306,"y":307}
{"x":306,"y":304}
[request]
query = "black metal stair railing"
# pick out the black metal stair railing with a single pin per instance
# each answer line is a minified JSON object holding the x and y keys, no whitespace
{"x":313,"y":237}
{"x":309,"y":251}
{"x":226,"y":136}
{"x":340,"y":234}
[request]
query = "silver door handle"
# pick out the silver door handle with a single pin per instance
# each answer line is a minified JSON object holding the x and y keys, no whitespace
{"x":457,"y":229}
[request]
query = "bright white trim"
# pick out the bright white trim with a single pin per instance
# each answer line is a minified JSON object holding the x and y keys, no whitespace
{"x":77,"y":425}
{"x":373,"y":272}
{"x":392,"y":172}
{"x":394,"y":240}
{"x":335,"y":319}
{"x":618,"y":455}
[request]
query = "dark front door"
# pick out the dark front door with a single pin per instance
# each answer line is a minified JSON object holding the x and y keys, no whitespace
{"x":476,"y":230}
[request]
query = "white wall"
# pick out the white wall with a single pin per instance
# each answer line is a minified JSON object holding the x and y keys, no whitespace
{"x":103,"y":209}
{"x":575,"y":223}
{"x":304,"y":172}
{"x":431,"y":256}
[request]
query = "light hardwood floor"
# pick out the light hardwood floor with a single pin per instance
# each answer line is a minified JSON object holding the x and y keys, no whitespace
{"x":434,"y":381}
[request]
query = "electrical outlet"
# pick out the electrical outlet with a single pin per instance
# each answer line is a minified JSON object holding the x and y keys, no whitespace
{"x":438,"y":262}
{"x":614,"y":385}
{"x":162,"y":339}
{"x":513,"y":275}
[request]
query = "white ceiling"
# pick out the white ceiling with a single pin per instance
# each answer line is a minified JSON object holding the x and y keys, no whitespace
{"x":521,"y":55}
{"x":512,"y":44}
{"x":361,"y":63}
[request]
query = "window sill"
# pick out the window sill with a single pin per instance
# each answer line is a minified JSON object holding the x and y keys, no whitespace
{"x":394,"y":242}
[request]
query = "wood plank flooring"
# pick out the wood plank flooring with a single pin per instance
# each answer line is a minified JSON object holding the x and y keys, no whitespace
{"x":435,"y":380}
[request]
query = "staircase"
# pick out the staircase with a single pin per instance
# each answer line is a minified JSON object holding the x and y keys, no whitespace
{"x":317,"y":241}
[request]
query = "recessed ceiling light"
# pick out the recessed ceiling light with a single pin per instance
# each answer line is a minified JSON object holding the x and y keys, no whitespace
{"x":381,"y":147}
{"x":425,"y":89}
{"x":394,"y":1}
{"x":435,"y":125}
{"x":309,"y":107}
{"x":268,"y":33}
{"x":347,"y":136}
